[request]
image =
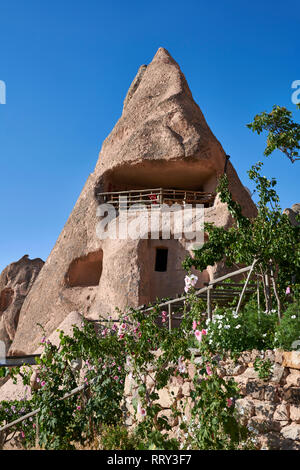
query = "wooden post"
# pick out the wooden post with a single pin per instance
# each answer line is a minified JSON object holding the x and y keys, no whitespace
{"x":170,"y":317}
{"x":37,"y":437}
{"x":268,"y":293}
{"x":276,"y":293}
{"x":209,"y":315}
{"x":245,"y":285}
{"x":258,"y":299}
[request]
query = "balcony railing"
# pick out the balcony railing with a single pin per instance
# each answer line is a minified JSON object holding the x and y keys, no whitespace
{"x":156,"y":197}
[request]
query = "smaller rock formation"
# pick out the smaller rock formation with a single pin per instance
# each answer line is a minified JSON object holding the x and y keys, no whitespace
{"x":292,"y":213}
{"x":16,"y":281}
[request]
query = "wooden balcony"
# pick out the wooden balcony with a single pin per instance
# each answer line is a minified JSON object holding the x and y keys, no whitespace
{"x":156,"y":197}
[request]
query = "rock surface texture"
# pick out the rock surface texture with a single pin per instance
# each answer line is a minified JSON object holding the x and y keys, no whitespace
{"x":292,"y":213}
{"x":16,"y":280}
{"x":160,"y":141}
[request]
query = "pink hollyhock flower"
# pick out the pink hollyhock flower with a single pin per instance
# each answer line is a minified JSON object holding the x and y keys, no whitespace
{"x":141,"y":410}
{"x":204,"y":332}
{"x":208,"y":370}
{"x":194,"y":324}
{"x":43,"y":383}
{"x":78,"y":407}
{"x":164,"y":313}
{"x":116,"y":377}
{"x":229,"y":402}
{"x":190,"y":281}
{"x":198,"y":335}
{"x":121,"y":336}
{"x":288,"y":290}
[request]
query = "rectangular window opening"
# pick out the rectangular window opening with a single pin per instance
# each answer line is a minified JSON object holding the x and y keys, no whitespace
{"x":161,"y":259}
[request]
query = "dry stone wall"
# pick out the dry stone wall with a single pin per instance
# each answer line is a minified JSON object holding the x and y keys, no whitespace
{"x":270,"y":407}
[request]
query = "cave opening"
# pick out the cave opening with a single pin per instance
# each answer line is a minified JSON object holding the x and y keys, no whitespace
{"x":85,"y":271}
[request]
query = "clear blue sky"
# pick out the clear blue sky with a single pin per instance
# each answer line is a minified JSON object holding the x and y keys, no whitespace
{"x":68,"y":64}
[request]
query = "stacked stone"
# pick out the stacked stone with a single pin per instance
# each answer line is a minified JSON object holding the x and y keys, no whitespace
{"x":270,"y":408}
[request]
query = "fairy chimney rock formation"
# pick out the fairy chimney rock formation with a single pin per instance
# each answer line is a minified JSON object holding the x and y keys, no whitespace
{"x":16,"y":281}
{"x":160,"y":141}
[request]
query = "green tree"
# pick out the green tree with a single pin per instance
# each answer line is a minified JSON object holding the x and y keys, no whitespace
{"x":283,"y":132}
{"x":269,"y":238}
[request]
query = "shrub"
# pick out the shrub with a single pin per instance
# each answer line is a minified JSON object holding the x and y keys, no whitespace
{"x":250,"y":329}
{"x":287,"y":335}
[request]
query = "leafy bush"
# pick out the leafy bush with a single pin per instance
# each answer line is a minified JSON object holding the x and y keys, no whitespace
{"x":263,"y":367}
{"x":138,"y":342}
{"x":117,"y":437}
{"x":25,"y":431}
{"x":287,"y":334}
{"x":250,"y":329}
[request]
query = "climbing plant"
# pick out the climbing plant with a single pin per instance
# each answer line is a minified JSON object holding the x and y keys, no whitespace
{"x":269,"y":238}
{"x":101,"y":357}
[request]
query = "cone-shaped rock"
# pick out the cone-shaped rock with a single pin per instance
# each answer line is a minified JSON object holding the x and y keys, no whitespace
{"x":161,"y":141}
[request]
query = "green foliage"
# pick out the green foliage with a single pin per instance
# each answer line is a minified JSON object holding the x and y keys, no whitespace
{"x":287,"y":335}
{"x":62,"y":422}
{"x":138,"y":344}
{"x":250,"y":329}
{"x":117,"y":437}
{"x":263,"y":367}
{"x":214,"y":424}
{"x":24,"y":431}
{"x":283,"y":132}
{"x":269,"y":238}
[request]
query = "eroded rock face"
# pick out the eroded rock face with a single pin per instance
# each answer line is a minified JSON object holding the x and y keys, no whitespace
{"x":292,"y":213}
{"x":161,"y":140}
{"x":16,"y":281}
